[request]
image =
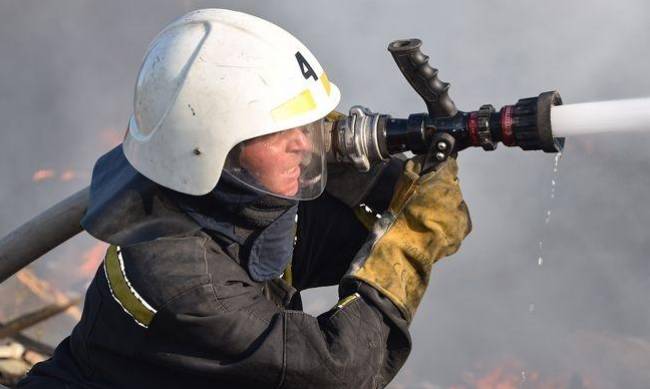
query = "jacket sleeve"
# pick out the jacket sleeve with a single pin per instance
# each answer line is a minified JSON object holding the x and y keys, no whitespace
{"x":229,"y":334}
{"x":329,"y":231}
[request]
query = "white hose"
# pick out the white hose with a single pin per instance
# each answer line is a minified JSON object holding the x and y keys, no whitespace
{"x":605,"y":116}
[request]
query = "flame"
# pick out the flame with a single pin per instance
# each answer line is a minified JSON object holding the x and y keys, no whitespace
{"x":92,"y":257}
{"x":46,"y":291}
{"x":43,"y":174}
{"x":65,"y":176}
{"x":498,"y":379}
{"x":512,"y":374}
{"x":68,"y":175}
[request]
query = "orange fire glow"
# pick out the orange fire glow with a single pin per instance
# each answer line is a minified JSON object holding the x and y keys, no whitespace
{"x":43,"y":174}
{"x":46,"y":291}
{"x":512,"y":375}
{"x":111,"y":137}
{"x":68,"y":175}
{"x":498,"y":379}
{"x":92,"y":258}
{"x":65,"y":176}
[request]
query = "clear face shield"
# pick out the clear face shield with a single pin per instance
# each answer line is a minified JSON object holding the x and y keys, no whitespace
{"x":290,"y":164}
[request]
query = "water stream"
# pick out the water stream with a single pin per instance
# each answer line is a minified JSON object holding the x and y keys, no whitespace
{"x":603,"y":116}
{"x":549,"y":209}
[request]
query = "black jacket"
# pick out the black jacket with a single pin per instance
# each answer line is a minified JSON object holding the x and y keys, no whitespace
{"x":177,"y":307}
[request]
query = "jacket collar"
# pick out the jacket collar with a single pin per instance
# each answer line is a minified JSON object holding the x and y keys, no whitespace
{"x":127,"y":208}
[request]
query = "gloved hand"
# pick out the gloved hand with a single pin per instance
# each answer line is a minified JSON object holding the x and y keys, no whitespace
{"x":426,"y":220}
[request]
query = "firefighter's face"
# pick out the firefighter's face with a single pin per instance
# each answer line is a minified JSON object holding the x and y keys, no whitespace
{"x":276,"y":160}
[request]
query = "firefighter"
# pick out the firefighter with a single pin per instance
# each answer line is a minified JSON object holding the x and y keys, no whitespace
{"x":212,"y":239}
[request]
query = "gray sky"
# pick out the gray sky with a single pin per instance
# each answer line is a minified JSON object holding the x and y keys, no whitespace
{"x":67,"y":70}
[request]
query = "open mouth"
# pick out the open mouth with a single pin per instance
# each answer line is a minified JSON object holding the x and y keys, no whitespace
{"x":293,"y":173}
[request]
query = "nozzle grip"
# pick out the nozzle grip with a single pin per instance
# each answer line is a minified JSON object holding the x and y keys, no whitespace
{"x":423,"y":78}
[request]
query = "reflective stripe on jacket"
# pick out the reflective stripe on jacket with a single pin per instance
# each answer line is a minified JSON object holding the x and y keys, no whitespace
{"x":173,"y":306}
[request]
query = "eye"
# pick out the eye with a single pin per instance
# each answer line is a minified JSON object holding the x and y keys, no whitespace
{"x":306,"y":130}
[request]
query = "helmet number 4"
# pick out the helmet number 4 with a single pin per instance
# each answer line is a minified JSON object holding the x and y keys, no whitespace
{"x":305,"y":68}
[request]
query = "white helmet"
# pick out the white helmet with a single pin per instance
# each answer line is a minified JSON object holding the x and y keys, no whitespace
{"x":216,"y":78}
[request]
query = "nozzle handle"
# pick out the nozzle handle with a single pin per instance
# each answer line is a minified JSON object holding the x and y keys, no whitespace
{"x":423,"y":78}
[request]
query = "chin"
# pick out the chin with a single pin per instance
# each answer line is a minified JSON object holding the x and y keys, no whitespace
{"x":289,"y":190}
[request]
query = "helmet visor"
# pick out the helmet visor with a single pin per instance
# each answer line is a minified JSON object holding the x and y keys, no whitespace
{"x":289,"y":164}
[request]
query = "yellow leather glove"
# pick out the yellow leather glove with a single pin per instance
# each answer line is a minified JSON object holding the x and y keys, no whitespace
{"x":427,"y":219}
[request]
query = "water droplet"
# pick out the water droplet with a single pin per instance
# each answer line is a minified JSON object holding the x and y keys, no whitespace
{"x":531,"y":307}
{"x":547,"y":216}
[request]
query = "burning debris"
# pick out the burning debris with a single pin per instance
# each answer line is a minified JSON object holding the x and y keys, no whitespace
{"x":47,"y":292}
{"x":29,"y":319}
{"x":109,"y":137}
{"x":13,"y":363}
{"x":26,"y":334}
{"x":66,"y":175}
{"x":43,"y":174}
{"x":512,"y":374}
{"x":17,"y":356}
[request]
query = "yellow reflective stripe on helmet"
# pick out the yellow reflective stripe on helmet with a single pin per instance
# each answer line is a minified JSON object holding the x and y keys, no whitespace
{"x":326,"y":83}
{"x":122,"y":290}
{"x":301,"y":103}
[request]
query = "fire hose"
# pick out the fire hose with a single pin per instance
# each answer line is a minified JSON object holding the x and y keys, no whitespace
{"x":364,"y":138}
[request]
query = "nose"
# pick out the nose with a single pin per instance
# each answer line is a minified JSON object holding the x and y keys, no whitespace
{"x":298,"y":141}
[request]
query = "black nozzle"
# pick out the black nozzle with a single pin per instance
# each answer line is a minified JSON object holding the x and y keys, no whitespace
{"x":526,"y":124}
{"x":423,"y":78}
{"x":531,"y":123}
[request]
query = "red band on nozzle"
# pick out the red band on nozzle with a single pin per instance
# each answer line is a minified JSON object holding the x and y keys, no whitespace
{"x":472,"y":125}
{"x":507,"y":136}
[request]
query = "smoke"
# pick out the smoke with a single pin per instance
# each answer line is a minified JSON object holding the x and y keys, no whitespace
{"x":67,"y":75}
